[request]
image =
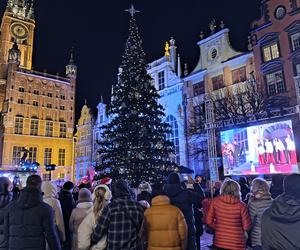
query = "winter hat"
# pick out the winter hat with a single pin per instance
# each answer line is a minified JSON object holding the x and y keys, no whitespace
{"x":85,"y":195}
{"x":121,"y":188}
{"x":145,"y":186}
{"x":291,"y":185}
{"x":68,"y":185}
{"x":174,"y":178}
{"x":107,"y":195}
{"x":105,"y":181}
{"x":144,"y":204}
{"x":49,"y":189}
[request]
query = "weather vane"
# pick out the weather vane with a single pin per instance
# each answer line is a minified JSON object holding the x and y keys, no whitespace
{"x":132,"y":10}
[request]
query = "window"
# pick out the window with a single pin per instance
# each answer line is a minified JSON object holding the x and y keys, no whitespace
{"x":49,"y":128}
{"x":199,"y":88}
{"x":101,"y":118}
{"x":161,"y":80}
{"x":298,"y":69}
{"x":36,"y":92}
{"x":295,"y":41}
{"x":49,"y":105}
{"x":21,"y":89}
{"x":270,"y":52}
{"x":61,"y":157}
{"x":239,"y":75}
{"x":35,"y":103}
{"x":62,"y":176}
{"x":20,"y":101}
{"x":16,"y":157}
{"x":275,"y":83}
{"x":218,"y":82}
{"x":50,"y":95}
{"x":62,"y":107}
{"x":63,"y":130}
{"x":19,"y":125}
{"x":47,"y":156}
{"x":34,"y":127}
{"x":62,"y":97}
{"x":173,"y":136}
{"x":32,"y":154}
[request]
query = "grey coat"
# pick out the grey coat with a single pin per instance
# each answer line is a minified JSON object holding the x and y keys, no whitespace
{"x":256,"y":209}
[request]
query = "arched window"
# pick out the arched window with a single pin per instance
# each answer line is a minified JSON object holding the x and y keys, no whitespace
{"x":173,"y":136}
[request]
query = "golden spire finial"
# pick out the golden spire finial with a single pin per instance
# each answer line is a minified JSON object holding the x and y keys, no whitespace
{"x":167,"y":49}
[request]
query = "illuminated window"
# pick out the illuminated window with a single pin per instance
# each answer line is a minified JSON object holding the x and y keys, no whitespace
{"x":47,"y":156}
{"x":32,"y":154}
{"x":19,"y":125}
{"x":17,"y":154}
{"x":275,"y":83}
{"x":49,"y":128}
{"x":161,"y":80}
{"x":173,"y":136}
{"x":199,"y":88}
{"x":63,"y":130}
{"x":239,"y":75}
{"x":295,"y":41}
{"x":270,"y":52}
{"x":61,"y":157}
{"x":218,"y":82}
{"x":34,"y":127}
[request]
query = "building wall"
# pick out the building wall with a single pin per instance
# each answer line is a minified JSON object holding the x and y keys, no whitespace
{"x":279,"y":20}
{"x":84,"y":146}
{"x":29,"y":96}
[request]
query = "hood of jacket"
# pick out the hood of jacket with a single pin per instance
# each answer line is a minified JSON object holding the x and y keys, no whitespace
{"x":285,"y":208}
{"x":29,"y":198}
{"x":49,"y":189}
{"x":5,"y":199}
{"x":172,"y":190}
{"x":228,"y":199}
{"x":85,"y":204}
{"x":160,"y":200}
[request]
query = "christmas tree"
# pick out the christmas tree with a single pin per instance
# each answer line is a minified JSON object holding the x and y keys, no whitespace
{"x":134,"y":145}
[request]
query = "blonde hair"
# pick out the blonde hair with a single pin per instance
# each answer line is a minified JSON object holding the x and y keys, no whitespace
{"x":232,"y":188}
{"x":99,"y":200}
{"x":261,"y":186}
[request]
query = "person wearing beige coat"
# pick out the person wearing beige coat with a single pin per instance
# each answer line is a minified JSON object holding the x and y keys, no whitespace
{"x":50,"y":197}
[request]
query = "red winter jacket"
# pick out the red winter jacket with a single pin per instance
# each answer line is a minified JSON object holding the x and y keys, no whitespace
{"x":229,"y":217}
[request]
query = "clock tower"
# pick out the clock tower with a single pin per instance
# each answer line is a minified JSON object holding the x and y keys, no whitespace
{"x":17,"y":27}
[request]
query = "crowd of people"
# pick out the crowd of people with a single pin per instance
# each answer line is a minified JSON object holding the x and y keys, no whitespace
{"x":169,"y":216}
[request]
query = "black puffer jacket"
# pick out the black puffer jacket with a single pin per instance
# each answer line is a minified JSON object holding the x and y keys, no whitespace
{"x":184,"y":199}
{"x":5,"y":199}
{"x":281,"y":224}
{"x":29,"y":221}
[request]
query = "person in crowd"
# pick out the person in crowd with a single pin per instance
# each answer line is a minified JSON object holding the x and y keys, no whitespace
{"x":259,"y":201}
{"x":101,"y":197}
{"x":164,"y":225}
{"x":106,"y":181}
{"x":82,"y":209}
{"x":5,"y":198}
{"x":217,"y":188}
{"x":198,"y":215}
{"x":281,"y":222}
{"x":244,"y":187}
{"x":145,"y":191}
{"x":144,"y":204}
{"x":50,"y":197}
{"x":29,"y":222}
{"x":229,"y":217}
{"x":67,"y":204}
{"x":276,"y":185}
{"x":121,"y":220}
{"x":184,"y":199}
{"x":75,"y":193}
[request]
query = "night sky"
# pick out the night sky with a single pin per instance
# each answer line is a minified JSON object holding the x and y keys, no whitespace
{"x":98,"y":31}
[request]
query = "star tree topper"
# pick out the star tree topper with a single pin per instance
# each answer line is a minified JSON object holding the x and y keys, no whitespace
{"x":132,"y":10}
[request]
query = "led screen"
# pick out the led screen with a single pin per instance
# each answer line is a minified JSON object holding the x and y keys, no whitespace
{"x":263,"y":149}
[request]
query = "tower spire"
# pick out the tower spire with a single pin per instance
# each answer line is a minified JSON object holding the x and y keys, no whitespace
{"x":179,"y":66}
{"x":71,"y":68}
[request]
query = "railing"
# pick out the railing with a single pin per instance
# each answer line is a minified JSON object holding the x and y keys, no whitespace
{"x":44,"y":74}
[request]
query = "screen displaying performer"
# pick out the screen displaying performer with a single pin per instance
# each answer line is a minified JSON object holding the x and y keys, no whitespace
{"x":263,"y":149}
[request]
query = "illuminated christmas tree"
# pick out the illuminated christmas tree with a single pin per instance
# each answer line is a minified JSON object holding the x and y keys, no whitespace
{"x":134,"y":144}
